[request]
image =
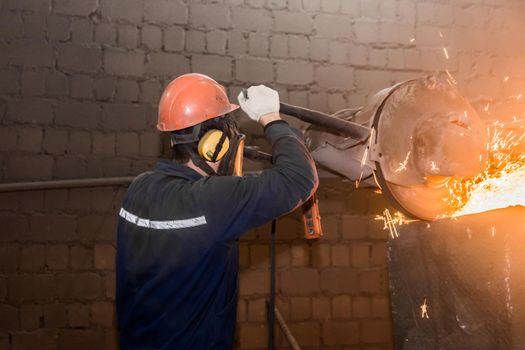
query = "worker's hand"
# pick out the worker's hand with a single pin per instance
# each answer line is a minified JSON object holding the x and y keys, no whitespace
{"x":258,"y":101}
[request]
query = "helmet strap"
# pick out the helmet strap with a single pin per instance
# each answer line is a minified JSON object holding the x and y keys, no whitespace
{"x":201,"y":163}
{"x":177,"y":139}
{"x":218,"y":148}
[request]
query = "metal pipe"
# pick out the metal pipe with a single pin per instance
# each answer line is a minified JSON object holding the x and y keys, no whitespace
{"x":56,"y":184}
{"x":249,"y":151}
{"x":271,"y":308}
{"x":341,"y":126}
{"x":286,"y":331}
{"x":253,"y":153}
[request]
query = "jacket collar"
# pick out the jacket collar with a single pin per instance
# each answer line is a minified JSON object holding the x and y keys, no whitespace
{"x":171,"y":168}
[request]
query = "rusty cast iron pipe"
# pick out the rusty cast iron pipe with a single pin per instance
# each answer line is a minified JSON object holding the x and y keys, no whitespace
{"x":356,"y":131}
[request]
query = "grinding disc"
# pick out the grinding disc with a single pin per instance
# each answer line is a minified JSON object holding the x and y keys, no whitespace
{"x":426,"y":134}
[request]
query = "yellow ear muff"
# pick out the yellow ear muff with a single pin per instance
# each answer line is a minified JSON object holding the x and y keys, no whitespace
{"x":209,"y":143}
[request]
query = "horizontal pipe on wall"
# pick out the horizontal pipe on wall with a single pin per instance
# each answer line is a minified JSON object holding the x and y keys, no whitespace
{"x":73,"y":183}
{"x":249,"y":152}
{"x":57,"y":184}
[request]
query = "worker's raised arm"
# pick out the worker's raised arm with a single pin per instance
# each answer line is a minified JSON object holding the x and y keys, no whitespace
{"x":292,"y":179}
{"x":291,"y":160}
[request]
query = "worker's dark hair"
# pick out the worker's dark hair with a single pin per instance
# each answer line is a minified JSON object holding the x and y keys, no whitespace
{"x":181,"y":153}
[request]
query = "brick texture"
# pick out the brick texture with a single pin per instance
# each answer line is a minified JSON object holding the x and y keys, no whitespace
{"x":81,"y":339}
{"x":41,"y":339}
{"x":75,"y":7}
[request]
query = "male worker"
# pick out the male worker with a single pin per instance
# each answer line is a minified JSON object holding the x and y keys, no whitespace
{"x":177,"y":257}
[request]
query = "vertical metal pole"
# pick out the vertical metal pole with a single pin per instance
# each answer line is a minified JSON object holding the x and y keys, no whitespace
{"x":271,"y":304}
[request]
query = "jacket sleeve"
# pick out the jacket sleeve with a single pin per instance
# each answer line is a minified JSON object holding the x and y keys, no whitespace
{"x":236,"y":204}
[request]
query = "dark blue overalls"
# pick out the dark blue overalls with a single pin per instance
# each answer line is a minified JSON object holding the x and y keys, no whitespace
{"x":177,"y":250}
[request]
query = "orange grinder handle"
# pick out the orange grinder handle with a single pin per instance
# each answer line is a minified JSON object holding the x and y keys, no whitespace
{"x":312,"y":218}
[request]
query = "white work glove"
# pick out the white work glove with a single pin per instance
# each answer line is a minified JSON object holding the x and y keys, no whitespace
{"x":261,"y":101}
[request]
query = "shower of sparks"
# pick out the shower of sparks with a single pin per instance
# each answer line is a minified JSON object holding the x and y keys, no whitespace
{"x":501,"y":184}
{"x":424,"y":309}
{"x":391,"y":221}
{"x":403,"y":166}
{"x":446,"y":52}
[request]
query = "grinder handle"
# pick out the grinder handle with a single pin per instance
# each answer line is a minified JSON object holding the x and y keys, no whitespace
{"x":312,"y":218}
{"x":340,"y":126}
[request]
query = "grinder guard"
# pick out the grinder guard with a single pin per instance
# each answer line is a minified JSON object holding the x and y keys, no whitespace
{"x":432,"y":129}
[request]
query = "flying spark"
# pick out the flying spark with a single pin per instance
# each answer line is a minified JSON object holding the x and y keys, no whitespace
{"x":363,"y":159}
{"x":452,"y":79}
{"x":358,"y":181}
{"x":365,"y":153}
{"x":375,"y":180}
{"x":391,"y":221}
{"x":424,"y":309}
{"x":403,"y":166}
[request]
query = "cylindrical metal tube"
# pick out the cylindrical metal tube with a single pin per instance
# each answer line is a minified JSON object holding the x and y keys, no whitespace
{"x":250,"y":152}
{"x":343,"y":127}
{"x":47,"y":185}
{"x":287,"y":333}
{"x":253,"y":153}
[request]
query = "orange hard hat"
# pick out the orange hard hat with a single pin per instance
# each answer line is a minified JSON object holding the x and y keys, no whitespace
{"x":190,"y":100}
